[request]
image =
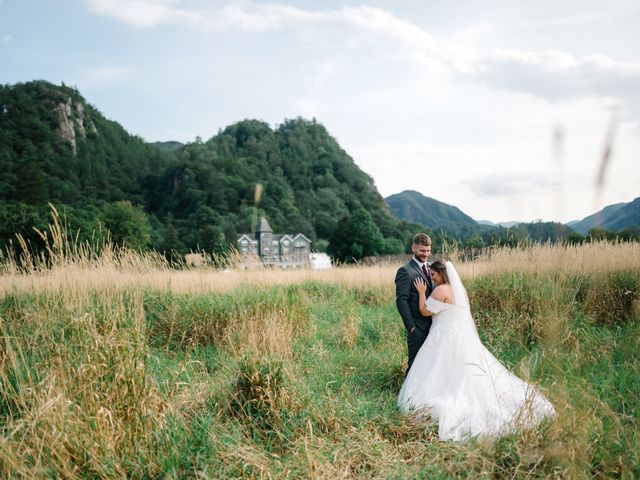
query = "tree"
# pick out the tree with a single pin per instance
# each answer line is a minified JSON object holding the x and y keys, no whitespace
{"x":171,"y":244}
{"x":630,"y":234}
{"x":598,"y":233}
{"x":575,"y":238}
{"x":211,"y":239}
{"x":231,"y":235}
{"x":33,"y":183}
{"x":474,"y":241}
{"x":391,"y":246}
{"x":128,"y":225}
{"x":355,"y":237}
{"x":321,"y":245}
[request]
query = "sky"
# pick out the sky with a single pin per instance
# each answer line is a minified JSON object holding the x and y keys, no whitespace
{"x":504,"y":109}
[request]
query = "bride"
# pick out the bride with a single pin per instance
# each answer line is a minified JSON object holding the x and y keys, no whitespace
{"x":455,"y":380}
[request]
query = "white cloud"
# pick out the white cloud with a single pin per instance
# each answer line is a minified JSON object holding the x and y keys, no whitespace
{"x":6,"y":38}
{"x":596,"y":13}
{"x":505,"y":185}
{"x":557,"y":75}
{"x":408,"y":103}
{"x":142,"y":13}
{"x":501,"y":164}
{"x":552,"y":75}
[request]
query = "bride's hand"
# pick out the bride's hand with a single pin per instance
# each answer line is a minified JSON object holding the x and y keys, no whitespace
{"x":420,"y":285}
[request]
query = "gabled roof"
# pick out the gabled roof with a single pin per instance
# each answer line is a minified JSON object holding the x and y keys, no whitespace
{"x":263,"y":226}
{"x":244,"y":235}
{"x":300,"y":235}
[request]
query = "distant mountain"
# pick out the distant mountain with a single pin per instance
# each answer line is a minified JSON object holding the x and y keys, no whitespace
{"x":57,"y":148}
{"x":509,"y":224}
{"x":414,"y":207}
{"x":617,"y":217}
{"x":499,"y":224}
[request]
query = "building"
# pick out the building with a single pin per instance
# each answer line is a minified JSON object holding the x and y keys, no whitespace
{"x":320,"y":261}
{"x":279,"y":250}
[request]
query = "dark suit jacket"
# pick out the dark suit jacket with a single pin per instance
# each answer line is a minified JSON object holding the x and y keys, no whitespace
{"x":407,"y":296}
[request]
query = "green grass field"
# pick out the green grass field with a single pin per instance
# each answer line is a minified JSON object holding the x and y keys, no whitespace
{"x":298,"y":379}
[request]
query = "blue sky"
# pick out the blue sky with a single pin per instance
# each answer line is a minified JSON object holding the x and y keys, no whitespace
{"x":460,"y":101}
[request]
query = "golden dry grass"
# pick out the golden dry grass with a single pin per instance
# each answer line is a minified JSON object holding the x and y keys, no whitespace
{"x":131,"y":270}
{"x":270,"y":334}
{"x":78,"y":391}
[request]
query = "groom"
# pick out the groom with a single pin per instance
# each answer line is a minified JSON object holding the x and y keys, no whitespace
{"x":416,"y":324}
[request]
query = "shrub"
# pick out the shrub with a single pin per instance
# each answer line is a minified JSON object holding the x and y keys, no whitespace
{"x":264,"y":399}
{"x":614,"y":299}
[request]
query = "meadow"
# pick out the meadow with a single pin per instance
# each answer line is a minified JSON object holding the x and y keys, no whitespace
{"x":117,"y":365}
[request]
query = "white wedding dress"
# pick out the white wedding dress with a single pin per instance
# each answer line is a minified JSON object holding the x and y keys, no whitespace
{"x":456,"y":381}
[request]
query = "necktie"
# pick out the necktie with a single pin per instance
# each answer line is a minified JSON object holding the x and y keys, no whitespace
{"x":426,"y":272}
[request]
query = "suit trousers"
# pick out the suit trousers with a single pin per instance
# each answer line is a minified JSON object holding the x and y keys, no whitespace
{"x":414,"y":342}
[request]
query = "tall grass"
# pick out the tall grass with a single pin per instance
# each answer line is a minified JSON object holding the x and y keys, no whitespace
{"x":75,"y":396}
{"x":113,"y":364}
{"x":66,"y":264}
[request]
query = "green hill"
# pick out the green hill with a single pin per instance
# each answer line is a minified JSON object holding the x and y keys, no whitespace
{"x":308,"y":184}
{"x":618,"y":217}
{"x":55,"y":147}
{"x":415,"y":207}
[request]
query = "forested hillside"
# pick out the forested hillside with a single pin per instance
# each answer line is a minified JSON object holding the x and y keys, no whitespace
{"x":618,"y":217}
{"x":457,"y":226}
{"x":55,"y":147}
{"x":415,"y":207}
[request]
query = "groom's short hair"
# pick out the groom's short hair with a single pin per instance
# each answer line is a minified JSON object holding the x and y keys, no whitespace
{"x":422,"y":239}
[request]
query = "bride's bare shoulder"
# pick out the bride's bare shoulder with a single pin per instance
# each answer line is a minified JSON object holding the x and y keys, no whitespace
{"x":442,"y":293}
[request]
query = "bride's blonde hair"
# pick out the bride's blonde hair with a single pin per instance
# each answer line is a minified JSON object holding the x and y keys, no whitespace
{"x":440,"y":267}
